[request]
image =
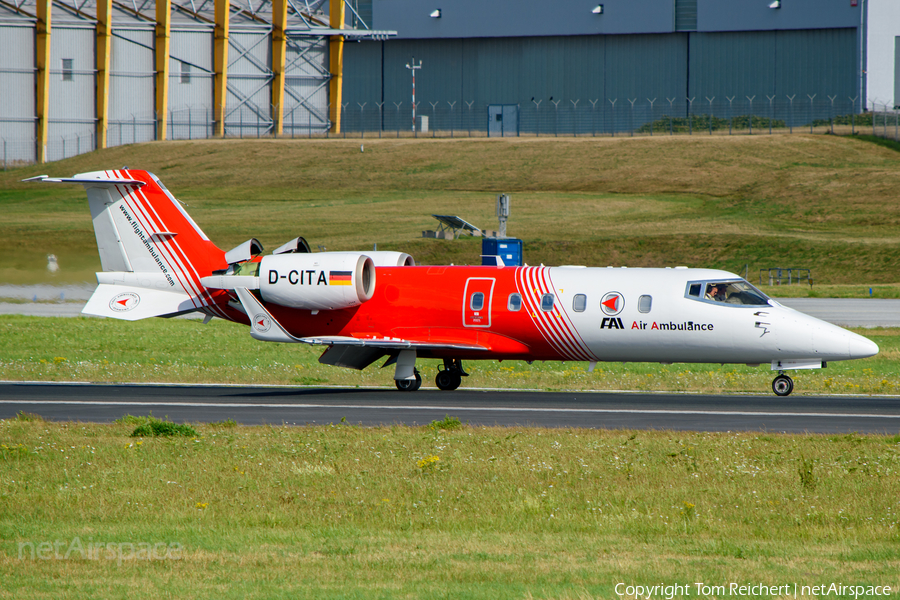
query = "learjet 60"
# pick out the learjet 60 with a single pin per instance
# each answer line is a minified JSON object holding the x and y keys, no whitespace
{"x":365,"y":306}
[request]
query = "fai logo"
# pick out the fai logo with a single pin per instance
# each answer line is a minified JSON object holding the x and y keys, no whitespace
{"x":612,"y":303}
{"x":125,"y":302}
{"x":262,"y":323}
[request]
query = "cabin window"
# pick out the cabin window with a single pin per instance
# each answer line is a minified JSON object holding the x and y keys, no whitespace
{"x":695,"y":290}
{"x":547,"y":302}
{"x":515,"y":303}
{"x":645,"y":303}
{"x":477,"y":301}
{"x":579,"y":302}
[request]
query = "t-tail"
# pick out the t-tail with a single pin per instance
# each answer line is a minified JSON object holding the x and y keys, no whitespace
{"x":152,"y":253}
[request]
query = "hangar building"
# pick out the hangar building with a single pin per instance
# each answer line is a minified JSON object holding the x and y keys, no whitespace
{"x":78,"y":75}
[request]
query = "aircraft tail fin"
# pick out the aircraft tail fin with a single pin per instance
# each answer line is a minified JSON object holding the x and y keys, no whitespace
{"x":149,"y":247}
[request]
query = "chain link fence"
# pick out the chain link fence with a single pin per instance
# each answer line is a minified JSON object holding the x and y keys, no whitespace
{"x":886,"y":122}
{"x":591,"y":117}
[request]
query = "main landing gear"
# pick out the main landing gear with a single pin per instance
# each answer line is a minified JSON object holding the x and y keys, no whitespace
{"x":451,"y":375}
{"x":782,"y":385}
{"x":448,"y":378}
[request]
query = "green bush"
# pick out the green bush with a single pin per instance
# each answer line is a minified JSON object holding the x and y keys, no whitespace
{"x":156,"y":428}
{"x":863,"y":120}
{"x":448,"y":423}
{"x":29,"y":417}
{"x":707,"y":122}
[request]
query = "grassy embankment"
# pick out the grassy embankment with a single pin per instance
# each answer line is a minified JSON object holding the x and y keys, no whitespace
{"x":821,"y":202}
{"x":342,"y":511}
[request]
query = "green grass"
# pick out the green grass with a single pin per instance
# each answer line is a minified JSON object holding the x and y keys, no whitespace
{"x":153,"y":350}
{"x":399,"y":512}
{"x":827,"y":203}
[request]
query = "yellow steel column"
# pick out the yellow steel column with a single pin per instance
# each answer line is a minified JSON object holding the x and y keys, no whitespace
{"x":104,"y":42}
{"x":42,"y":56}
{"x":220,"y":85}
{"x":279,"y":53}
{"x":163,"y":30}
{"x":336,"y":51}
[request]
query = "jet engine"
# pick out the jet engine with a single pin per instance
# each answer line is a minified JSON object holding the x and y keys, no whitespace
{"x":385,"y":258}
{"x":321,"y":281}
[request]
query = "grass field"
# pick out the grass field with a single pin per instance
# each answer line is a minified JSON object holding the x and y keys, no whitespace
{"x":822,"y":202}
{"x":445,"y":511}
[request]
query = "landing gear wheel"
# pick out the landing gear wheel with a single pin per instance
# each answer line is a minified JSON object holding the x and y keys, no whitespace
{"x":451,"y":375}
{"x":782,"y":385}
{"x":448,"y":380}
{"x":409,"y":385}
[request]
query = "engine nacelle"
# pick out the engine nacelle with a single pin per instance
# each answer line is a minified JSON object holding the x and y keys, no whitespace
{"x":321,"y":281}
{"x":385,"y":258}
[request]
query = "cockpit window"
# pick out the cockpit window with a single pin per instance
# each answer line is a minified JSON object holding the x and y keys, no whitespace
{"x":727,"y":292}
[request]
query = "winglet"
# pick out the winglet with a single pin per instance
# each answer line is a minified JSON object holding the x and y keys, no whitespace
{"x":263,"y":325}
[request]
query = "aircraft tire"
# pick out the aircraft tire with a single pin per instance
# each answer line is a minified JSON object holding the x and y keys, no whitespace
{"x":448,"y":380}
{"x":409,"y":385}
{"x":782,"y":385}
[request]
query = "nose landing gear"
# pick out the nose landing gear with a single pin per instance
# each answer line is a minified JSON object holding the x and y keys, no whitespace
{"x":782,"y":385}
{"x":451,"y":375}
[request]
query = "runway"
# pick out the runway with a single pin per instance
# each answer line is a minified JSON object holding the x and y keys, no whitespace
{"x":369,"y":407}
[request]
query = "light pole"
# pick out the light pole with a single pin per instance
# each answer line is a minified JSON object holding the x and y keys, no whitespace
{"x":412,"y":67}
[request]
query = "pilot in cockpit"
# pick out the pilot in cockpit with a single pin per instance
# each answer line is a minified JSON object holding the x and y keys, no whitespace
{"x":715,"y":291}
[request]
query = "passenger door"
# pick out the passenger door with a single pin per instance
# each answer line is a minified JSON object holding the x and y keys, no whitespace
{"x":477,"y":301}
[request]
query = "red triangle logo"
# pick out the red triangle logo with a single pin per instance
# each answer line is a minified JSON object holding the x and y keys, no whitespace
{"x":612,"y":303}
{"x":261,"y":322}
{"x":123,"y":302}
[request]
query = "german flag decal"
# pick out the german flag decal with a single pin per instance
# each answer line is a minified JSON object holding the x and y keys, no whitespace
{"x":340,"y":277}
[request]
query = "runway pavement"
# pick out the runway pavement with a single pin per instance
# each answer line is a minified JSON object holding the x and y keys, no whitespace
{"x":300,"y":406}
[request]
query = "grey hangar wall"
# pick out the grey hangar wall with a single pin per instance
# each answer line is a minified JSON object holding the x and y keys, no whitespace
{"x":680,"y":65}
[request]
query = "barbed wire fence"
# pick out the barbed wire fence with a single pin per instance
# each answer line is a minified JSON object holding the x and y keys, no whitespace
{"x":591,"y":117}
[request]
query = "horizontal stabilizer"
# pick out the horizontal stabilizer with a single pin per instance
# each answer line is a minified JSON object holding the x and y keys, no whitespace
{"x":133,"y":303}
{"x":88,"y":181}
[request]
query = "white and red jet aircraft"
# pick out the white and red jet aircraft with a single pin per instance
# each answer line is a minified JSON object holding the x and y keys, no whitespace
{"x":367,"y":305}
